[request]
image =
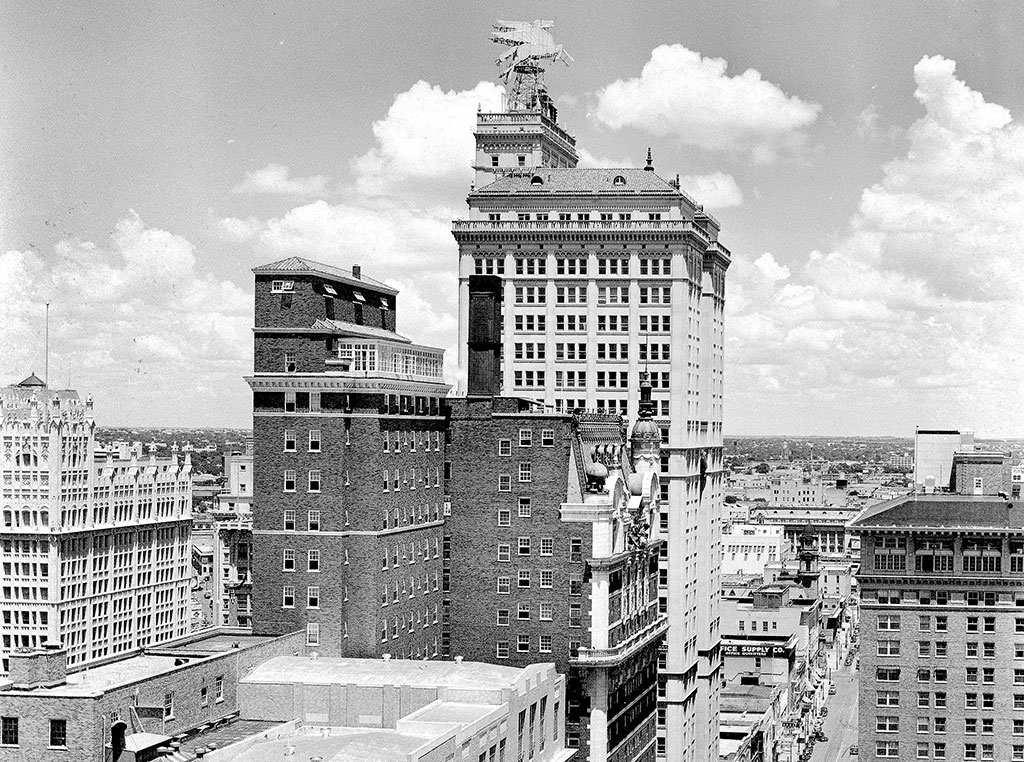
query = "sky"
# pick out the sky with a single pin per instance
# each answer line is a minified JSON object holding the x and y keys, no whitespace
{"x":865,"y":160}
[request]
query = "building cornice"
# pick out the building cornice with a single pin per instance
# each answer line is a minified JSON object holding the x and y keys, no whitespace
{"x":344,"y":382}
{"x":590,"y":231}
{"x":610,"y":657}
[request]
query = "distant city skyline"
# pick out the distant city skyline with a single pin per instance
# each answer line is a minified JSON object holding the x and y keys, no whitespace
{"x":861,"y":157}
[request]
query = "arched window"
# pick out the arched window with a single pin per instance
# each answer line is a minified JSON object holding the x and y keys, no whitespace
{"x":536,"y":180}
{"x":619,"y":180}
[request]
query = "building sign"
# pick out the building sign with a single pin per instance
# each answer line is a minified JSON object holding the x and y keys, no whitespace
{"x":754,"y":649}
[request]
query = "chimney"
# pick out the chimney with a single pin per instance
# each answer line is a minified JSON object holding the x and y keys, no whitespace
{"x":40,"y":668}
{"x":484,"y":344}
{"x":357,"y":272}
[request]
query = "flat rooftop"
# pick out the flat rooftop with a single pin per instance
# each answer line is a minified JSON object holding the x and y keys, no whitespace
{"x":942,"y":512}
{"x":451,"y":711}
{"x":357,"y":745}
{"x":96,"y":680}
{"x":377,"y":672}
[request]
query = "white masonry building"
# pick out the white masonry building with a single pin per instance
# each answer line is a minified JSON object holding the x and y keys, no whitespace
{"x":600,"y":274}
{"x":96,"y":553}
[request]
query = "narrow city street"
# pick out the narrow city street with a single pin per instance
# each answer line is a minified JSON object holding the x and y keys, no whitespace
{"x":840,"y":726}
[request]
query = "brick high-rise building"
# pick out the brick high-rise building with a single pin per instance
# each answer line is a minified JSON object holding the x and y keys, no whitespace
{"x":549,"y":558}
{"x":598,"y":274}
{"x":347,"y":502}
{"x":96,"y":551}
{"x":942,"y":629}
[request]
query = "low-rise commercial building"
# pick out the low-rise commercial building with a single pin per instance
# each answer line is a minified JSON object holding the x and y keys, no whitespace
{"x":128,"y":708}
{"x":390,"y":710}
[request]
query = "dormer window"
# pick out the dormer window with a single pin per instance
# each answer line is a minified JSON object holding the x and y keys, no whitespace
{"x":281,"y":286}
{"x":358,"y":296}
{"x":619,"y":180}
{"x":536,"y":180}
{"x":522,"y":161}
{"x":384,"y":304}
{"x":329,"y":289}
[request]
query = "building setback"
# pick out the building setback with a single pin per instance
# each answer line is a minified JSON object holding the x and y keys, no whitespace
{"x":942,"y":629}
{"x":347,"y":501}
{"x":598,"y":274}
{"x":96,"y":551}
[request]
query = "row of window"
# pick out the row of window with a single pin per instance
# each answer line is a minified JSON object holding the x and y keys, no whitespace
{"x":525,"y":546}
{"x":573,"y":323}
{"x":927,"y":700}
{"x":396,"y":441}
{"x":312,"y":597}
{"x":572,"y":266}
{"x":406,"y":588}
{"x":288,"y":560}
{"x":566,"y":216}
{"x":400,"y":553}
{"x":940,"y":597}
{"x":547,"y":439}
{"x":313,"y":480}
{"x":312,"y":521}
{"x":971,"y":674}
{"x":393,"y":480}
{"x":546,"y":579}
{"x":10,"y":732}
{"x":545,"y":613}
{"x":940,"y":623}
{"x":938,"y":749}
{"x":972,"y":725}
{"x":408,"y":624}
{"x":502,"y":650}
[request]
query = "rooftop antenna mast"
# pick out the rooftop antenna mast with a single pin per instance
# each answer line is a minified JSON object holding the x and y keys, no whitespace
{"x":522,"y":70}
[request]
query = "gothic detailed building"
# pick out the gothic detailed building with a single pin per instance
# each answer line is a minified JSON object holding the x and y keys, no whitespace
{"x":599,"y":274}
{"x":96,"y":551}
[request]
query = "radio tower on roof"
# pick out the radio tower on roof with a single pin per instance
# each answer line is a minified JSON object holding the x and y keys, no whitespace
{"x":529,"y":45}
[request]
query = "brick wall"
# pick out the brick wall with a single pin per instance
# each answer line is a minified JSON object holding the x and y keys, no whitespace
{"x":309,"y":302}
{"x":996,"y":477}
{"x":475,"y":536}
{"x":352,"y":502}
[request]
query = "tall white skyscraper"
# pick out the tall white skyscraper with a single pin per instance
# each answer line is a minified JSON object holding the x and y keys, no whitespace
{"x":602,"y":273}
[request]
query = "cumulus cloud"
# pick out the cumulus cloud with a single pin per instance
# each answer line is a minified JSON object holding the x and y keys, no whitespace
{"x":393,"y":214}
{"x":682,"y":94}
{"x":273,"y":179}
{"x":134,"y":322}
{"x":916,"y":310}
{"x":426,"y":136}
{"x":715,"y":191}
{"x":587,"y":159}
{"x":870,"y":126}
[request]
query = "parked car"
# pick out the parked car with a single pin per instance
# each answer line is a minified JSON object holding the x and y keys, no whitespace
{"x":854,"y":751}
{"x":824,"y":711}
{"x":832,"y":690}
